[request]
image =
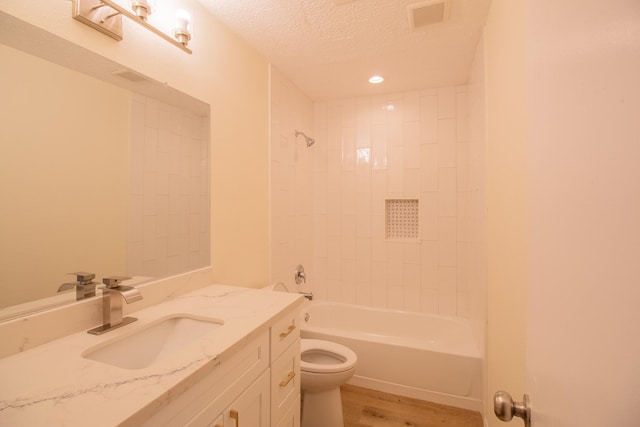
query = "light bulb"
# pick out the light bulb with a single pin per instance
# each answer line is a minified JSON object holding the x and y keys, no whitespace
{"x":181,"y":30}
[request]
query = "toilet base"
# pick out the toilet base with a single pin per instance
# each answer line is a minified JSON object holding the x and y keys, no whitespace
{"x":322,"y":408}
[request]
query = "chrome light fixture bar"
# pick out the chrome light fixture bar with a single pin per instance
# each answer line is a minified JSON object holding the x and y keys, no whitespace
{"x":106,"y":17}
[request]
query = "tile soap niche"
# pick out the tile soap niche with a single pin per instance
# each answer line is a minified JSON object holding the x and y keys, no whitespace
{"x":401,"y":218}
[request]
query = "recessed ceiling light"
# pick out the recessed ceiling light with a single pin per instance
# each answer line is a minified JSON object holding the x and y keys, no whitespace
{"x":376,"y":79}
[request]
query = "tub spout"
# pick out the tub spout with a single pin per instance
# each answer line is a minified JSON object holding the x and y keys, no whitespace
{"x":307,"y":295}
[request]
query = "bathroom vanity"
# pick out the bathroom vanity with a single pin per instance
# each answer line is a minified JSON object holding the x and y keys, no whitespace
{"x":219,"y":356}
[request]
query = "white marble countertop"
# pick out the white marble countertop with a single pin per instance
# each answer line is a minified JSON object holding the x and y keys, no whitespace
{"x":53,"y":385}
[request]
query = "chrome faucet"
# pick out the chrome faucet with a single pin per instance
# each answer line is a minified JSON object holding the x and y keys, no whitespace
{"x":112,"y":295}
{"x":84,"y":284}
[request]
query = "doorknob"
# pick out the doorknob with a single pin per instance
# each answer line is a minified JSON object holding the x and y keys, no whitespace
{"x":505,"y":408}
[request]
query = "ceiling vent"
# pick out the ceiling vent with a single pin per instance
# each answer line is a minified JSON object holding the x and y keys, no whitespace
{"x":428,"y":13}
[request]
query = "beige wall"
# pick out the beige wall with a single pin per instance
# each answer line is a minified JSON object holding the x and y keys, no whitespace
{"x":506,"y":84}
{"x":232,"y":78}
{"x":55,"y":187}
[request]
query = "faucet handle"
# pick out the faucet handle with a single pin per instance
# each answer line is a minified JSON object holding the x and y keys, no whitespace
{"x":114,"y":281}
{"x":82,"y":276}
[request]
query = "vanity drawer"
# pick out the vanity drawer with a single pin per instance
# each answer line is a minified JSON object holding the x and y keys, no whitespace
{"x":291,"y":417}
{"x":284,"y":333}
{"x":285,"y":381}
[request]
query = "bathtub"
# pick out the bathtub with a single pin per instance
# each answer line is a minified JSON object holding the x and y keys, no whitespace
{"x":417,"y":355}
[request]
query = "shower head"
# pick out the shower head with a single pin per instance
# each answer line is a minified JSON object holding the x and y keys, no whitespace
{"x":310,"y":141}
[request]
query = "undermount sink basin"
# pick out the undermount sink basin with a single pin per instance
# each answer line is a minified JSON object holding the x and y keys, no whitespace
{"x":153,"y":342}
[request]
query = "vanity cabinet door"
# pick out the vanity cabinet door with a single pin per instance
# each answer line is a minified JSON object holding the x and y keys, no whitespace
{"x":252,"y":407}
{"x":285,"y":381}
{"x":291,"y":417}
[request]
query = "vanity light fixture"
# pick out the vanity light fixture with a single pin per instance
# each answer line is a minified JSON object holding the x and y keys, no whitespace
{"x":106,"y":17}
{"x":376,"y":80}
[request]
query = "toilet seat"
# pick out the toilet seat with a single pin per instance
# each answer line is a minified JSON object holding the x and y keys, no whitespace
{"x":339,"y":357}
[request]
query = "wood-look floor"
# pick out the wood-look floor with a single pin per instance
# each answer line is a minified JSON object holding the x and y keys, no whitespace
{"x":370,"y":408}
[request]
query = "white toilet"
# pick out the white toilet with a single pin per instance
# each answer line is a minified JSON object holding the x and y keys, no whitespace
{"x":324,"y":366}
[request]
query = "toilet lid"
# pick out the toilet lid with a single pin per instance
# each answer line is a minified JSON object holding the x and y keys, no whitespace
{"x":337,"y":357}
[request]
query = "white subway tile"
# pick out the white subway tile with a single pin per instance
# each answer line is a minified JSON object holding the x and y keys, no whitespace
{"x":394,"y":169}
{"x":411,"y":106}
{"x":446,"y":102}
{"x":395,"y":297}
{"x":429,"y":301}
{"x":334,"y":225}
{"x":363,"y":173}
{"x":134,"y":256}
{"x":411,"y":147}
{"x":411,"y":299}
{"x":136,"y":214}
{"x":429,"y":216}
{"x":429,"y":167}
{"x":363,"y":203}
{"x":447,"y":143}
{"x":447,"y":196}
{"x":428,"y":119}
{"x":411,"y":253}
{"x":395,"y":125}
{"x":334,"y":290}
{"x":349,"y":149}
{"x":447,"y":294}
{"x":429,"y":265}
{"x":462,"y":217}
{"x":462,"y":166}
{"x":348,"y":246}
{"x":447,"y":245}
{"x":378,"y":147}
{"x":411,"y":183}
{"x":363,"y":125}
{"x":363,"y":226}
{"x":462,"y":116}
{"x":411,"y":276}
{"x":349,"y":112}
{"x":379,"y":284}
{"x":378,"y":109}
{"x":151,"y":113}
{"x":148,"y":238}
{"x":320,"y":235}
{"x":394,"y":253}
{"x":363,"y":293}
{"x":462,"y":308}
{"x":349,"y":286}
{"x":348,"y":188}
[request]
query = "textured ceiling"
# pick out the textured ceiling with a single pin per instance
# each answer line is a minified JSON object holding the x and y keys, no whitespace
{"x":329,"y":48}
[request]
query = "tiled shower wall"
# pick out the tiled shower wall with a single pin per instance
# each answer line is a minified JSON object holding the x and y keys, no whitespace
{"x":398,"y":146}
{"x":169,"y":189}
{"x":472,"y":204}
{"x":291,"y":182}
{"x":328,"y":201}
